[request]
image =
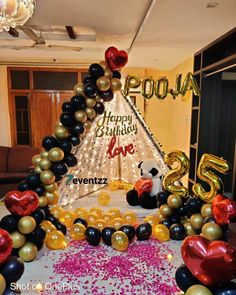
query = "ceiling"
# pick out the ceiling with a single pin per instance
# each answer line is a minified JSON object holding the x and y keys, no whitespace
{"x":157,"y":33}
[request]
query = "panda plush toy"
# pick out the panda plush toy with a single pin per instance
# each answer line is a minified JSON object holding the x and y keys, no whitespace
{"x":147,"y":187}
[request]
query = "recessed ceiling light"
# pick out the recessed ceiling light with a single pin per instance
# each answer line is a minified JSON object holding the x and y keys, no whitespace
{"x":212,"y":5}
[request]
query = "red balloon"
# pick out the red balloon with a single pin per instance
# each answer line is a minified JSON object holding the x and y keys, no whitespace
{"x":223,"y":210}
{"x":115,"y":58}
{"x":142,"y":186}
{"x":5,"y":245}
{"x":21,"y":203}
{"x":210,"y":262}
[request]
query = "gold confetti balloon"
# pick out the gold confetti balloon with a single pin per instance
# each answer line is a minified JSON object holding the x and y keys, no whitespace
{"x":97,"y":211}
{"x":67,"y":218}
{"x":55,"y":240}
{"x":115,"y":212}
{"x":130,"y":218}
{"x":161,"y":233}
{"x":81,"y":213}
{"x":117,"y":222}
{"x":56,"y":211}
{"x":47,"y":226}
{"x":152,"y":220}
{"x":77,"y":232}
{"x":104,"y":198}
{"x":119,"y":241}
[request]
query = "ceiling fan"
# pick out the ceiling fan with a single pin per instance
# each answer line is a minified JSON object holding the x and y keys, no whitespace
{"x":39,"y":42}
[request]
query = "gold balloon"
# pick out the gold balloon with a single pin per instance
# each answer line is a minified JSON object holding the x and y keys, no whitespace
{"x":206,"y":210}
{"x":147,"y":88}
{"x":47,"y":177}
{"x":87,"y":125}
{"x":116,"y":84}
{"x":81,"y":213}
{"x":166,"y":211}
{"x":115,"y":212}
{"x":103,"y":83}
{"x":130,"y":218}
{"x":51,"y":187}
{"x":207,"y":163}
{"x":61,"y":132}
{"x":174,"y":201}
{"x":38,"y":170}
{"x":80,"y":116}
{"x":108,"y":73}
{"x":90,"y":112}
{"x":77,"y":232}
{"x":67,"y":218}
{"x":79,"y":89}
{"x":212,"y":231}
{"x":56,"y":154}
{"x":53,"y":198}
{"x":18,"y":239}
{"x":161,"y":233}
{"x":190,"y":83}
{"x":36,"y":159}
{"x":104,"y":64}
{"x":90,"y":102}
{"x":55,"y":240}
{"x":107,"y":217}
{"x":28,"y":252}
{"x":58,"y":123}
{"x":152,"y":220}
{"x":56,"y":211}
{"x":2,"y":284}
{"x":44,"y":154}
{"x":176,"y":173}
{"x":91,"y":218}
{"x":119,"y":241}
{"x":43,"y":201}
{"x":161,"y":90}
{"x":160,"y":217}
{"x":100,"y":224}
{"x":198,"y":290}
{"x":45,"y":164}
{"x":117,"y":222}
{"x":47,"y":226}
{"x":131,"y":81}
{"x":196,"y":221}
{"x":97,"y":211}
{"x":188,"y":229}
{"x":26,"y":225}
{"x":104,"y":198}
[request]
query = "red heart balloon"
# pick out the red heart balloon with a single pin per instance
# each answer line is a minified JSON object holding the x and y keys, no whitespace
{"x":223,"y":210}
{"x":210,"y":262}
{"x":115,"y":58}
{"x":5,"y":245}
{"x":142,"y":186}
{"x":21,"y":203}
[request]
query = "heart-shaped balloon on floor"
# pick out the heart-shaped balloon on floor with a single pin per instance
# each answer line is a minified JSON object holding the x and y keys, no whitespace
{"x":5,"y":245}
{"x":223,"y":210}
{"x":115,"y":58}
{"x":21,"y":203}
{"x":210,"y":262}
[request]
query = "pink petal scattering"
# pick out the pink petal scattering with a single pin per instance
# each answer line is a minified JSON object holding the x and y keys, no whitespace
{"x":143,"y":269}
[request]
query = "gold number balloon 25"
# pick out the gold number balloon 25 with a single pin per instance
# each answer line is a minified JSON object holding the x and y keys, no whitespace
{"x":176,"y":173}
{"x":207,"y":163}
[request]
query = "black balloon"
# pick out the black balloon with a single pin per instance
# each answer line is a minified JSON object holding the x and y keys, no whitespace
{"x":66,"y":146}
{"x":37,"y":236}
{"x":46,"y":211}
{"x":15,"y":252}
{"x":174,"y":218}
{"x":23,"y":186}
{"x":61,"y":227}
{"x":99,"y":108}
{"x":167,"y":222}
{"x":67,"y":119}
{"x":78,"y":128}
{"x":74,"y":139}
{"x":193,"y":205}
{"x":144,"y":231}
{"x":107,"y":232}
{"x":96,"y":71}
{"x":49,"y":142}
{"x":225,"y":289}
{"x":52,"y":219}
{"x":162,"y":197}
{"x":106,"y":95}
{"x":93,"y":236}
{"x":88,"y":79}
{"x":33,"y":180}
{"x":116,"y":74}
{"x":181,"y":211}
{"x":59,"y":168}
{"x":78,"y":102}
{"x":209,"y":219}
{"x":71,"y":160}
{"x":39,"y":190}
{"x":147,"y":201}
{"x":90,"y":90}
{"x":82,"y":221}
{"x":177,"y":231}
{"x":67,"y":107}
{"x":9,"y":223}
{"x":58,"y":178}
{"x":129,"y":230}
{"x":12,"y":269}
{"x":184,"y":278}
{"x":132,"y":198}
{"x":38,"y":215}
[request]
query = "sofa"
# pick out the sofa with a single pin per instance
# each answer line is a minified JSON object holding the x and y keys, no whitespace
{"x":15,"y":163}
